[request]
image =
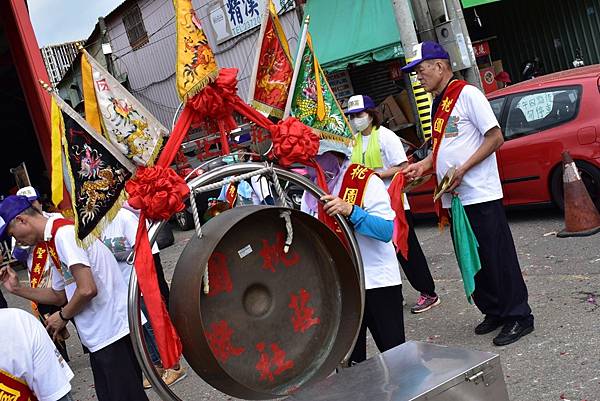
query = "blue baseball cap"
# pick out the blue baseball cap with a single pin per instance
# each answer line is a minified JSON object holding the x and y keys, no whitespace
{"x":427,"y":50}
{"x":11,"y":207}
{"x":358,"y":103}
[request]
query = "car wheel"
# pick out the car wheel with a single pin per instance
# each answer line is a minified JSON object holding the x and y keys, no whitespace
{"x":590,"y":175}
{"x":185,"y":220}
{"x":165,"y":237}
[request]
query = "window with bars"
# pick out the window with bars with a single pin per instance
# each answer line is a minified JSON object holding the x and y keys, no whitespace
{"x":134,"y":26}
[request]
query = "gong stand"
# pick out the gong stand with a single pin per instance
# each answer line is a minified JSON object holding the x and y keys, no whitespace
{"x":229,"y":376}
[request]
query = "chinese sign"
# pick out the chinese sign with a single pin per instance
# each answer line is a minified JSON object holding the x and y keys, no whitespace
{"x":536,"y":106}
{"x":481,"y":49}
{"x":230,"y":18}
{"x":340,"y":85}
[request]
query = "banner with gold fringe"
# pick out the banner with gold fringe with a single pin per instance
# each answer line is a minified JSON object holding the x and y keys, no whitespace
{"x":273,"y":68}
{"x":312,"y":101}
{"x":196,"y":66}
{"x":97,"y":174}
{"x":123,"y":120}
{"x":56,"y":133}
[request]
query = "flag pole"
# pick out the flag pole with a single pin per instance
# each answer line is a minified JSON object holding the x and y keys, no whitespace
{"x":298,"y":62}
{"x":261,"y":35}
{"x":85,"y":125}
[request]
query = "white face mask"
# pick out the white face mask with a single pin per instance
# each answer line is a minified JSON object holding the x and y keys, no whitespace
{"x":359,"y":124}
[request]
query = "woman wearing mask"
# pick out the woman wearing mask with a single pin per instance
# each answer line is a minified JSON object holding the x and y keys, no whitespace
{"x":381,"y":150}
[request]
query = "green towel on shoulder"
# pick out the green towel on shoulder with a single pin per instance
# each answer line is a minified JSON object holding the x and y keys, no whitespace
{"x":372,"y":158}
{"x":465,"y":247}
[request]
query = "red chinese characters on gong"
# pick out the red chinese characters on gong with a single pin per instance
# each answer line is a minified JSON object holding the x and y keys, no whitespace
{"x":303,"y":318}
{"x":273,"y":254}
{"x":219,"y":340}
{"x":271,"y":366}
{"x":218,"y":274}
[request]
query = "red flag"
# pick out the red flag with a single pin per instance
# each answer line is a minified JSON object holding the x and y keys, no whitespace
{"x":273,"y":68}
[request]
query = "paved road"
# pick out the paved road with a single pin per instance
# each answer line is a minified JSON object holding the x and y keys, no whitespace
{"x":560,"y":360}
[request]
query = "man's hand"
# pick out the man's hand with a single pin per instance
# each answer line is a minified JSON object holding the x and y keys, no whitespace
{"x":459,"y":173}
{"x":10,"y":279}
{"x":334,"y":205}
{"x":415,"y":170}
{"x":54,"y":325}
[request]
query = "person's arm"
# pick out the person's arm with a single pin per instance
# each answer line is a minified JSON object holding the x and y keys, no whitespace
{"x":492,"y":141}
{"x":390,"y":172}
{"x":418,"y":169}
{"x":85,"y":291}
{"x":46,"y":296}
{"x":370,"y":225}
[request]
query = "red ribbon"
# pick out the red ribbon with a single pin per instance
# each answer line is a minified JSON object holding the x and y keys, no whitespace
{"x":293,"y":142}
{"x":400,"y":236}
{"x":158,"y":192}
{"x":215,"y":100}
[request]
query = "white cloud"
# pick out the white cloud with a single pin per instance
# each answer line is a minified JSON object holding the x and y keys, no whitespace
{"x":58,"y":21}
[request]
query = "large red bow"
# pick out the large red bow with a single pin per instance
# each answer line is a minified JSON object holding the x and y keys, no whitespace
{"x":293,"y":142}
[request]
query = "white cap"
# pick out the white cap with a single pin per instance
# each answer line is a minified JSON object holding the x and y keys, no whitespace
{"x":29,"y":192}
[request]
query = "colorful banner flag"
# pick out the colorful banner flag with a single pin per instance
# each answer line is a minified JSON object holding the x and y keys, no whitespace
{"x":273,"y":68}
{"x":124,"y":121}
{"x":97,"y":173}
{"x":313,"y":102}
{"x":196,"y":66}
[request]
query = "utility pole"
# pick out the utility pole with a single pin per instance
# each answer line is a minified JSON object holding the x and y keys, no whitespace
{"x":420,"y":101}
{"x":106,"y":48}
{"x":472,"y":73}
{"x":423,"y":20}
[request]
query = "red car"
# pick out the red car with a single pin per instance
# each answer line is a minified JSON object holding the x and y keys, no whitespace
{"x":541,"y":118}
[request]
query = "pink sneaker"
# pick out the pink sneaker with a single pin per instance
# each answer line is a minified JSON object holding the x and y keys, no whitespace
{"x":424,"y":303}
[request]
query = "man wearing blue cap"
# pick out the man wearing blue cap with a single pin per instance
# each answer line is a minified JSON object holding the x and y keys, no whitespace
{"x":87,"y":283}
{"x":465,"y":137}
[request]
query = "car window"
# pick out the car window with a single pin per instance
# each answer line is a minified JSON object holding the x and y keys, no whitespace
{"x":531,"y":112}
{"x":497,"y":107}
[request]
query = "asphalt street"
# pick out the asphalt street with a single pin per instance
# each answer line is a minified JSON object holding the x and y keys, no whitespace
{"x":560,"y":360}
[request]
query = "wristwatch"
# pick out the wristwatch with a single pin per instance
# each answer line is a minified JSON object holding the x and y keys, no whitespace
{"x":61,"y":316}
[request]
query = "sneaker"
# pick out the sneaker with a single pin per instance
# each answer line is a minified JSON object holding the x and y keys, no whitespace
{"x":512,"y":331}
{"x":489,"y":324}
{"x":172,"y":376}
{"x":424,"y":303}
{"x":146,"y":382}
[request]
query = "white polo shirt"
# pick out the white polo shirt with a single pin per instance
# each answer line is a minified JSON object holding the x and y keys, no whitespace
{"x":392,"y":154}
{"x":470,"y":119}
{"x":27,"y":353}
{"x":104,"y":319}
{"x":379,"y":258}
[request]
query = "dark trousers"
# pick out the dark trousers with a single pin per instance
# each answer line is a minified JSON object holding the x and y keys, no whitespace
{"x":162,"y":283}
{"x":3,"y":303}
{"x":416,"y":268}
{"x":499,"y":286}
{"x":117,"y":375}
{"x":61,"y":346}
{"x":384,"y":318}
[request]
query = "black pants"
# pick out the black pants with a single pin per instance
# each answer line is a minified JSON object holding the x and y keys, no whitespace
{"x":61,"y":346}
{"x":499,"y":286}
{"x":416,"y":268}
{"x":162,"y":283}
{"x":384,"y":318}
{"x":117,"y":375}
{"x":3,"y":303}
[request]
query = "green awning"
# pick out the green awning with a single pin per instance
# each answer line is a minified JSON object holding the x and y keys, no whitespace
{"x":353,"y":32}
{"x":473,"y":3}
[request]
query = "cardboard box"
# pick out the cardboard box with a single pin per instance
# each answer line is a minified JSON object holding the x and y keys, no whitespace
{"x":404,"y":103}
{"x":392,"y":115}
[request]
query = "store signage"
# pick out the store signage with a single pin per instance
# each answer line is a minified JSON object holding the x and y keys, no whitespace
{"x":488,"y":79}
{"x":340,"y":85}
{"x":230,"y":18}
{"x":473,"y":3}
{"x":481,"y":49}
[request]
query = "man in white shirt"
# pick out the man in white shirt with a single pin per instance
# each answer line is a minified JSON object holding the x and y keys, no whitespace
{"x":89,"y":284}
{"x":466,"y":137}
{"x":30,"y":363}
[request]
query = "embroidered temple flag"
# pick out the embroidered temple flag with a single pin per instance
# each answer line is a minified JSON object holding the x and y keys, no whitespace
{"x":122,"y":119}
{"x":196,"y":66}
{"x":56,"y":134}
{"x":273,"y":69}
{"x":97,"y":173}
{"x":312,"y":100}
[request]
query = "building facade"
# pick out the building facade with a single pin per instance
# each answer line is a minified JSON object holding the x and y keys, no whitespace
{"x":58,"y":59}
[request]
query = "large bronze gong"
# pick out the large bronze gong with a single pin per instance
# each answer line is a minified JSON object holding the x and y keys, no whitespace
{"x":272,"y":321}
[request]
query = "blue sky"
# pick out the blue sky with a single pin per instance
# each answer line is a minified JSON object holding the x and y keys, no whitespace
{"x":58,"y":21}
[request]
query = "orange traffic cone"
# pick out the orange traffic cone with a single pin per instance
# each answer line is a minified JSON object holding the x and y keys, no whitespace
{"x":581,"y":216}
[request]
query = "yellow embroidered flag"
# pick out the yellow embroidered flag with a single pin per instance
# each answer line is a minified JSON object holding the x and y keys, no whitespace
{"x":58,"y":128}
{"x":196,"y":66}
